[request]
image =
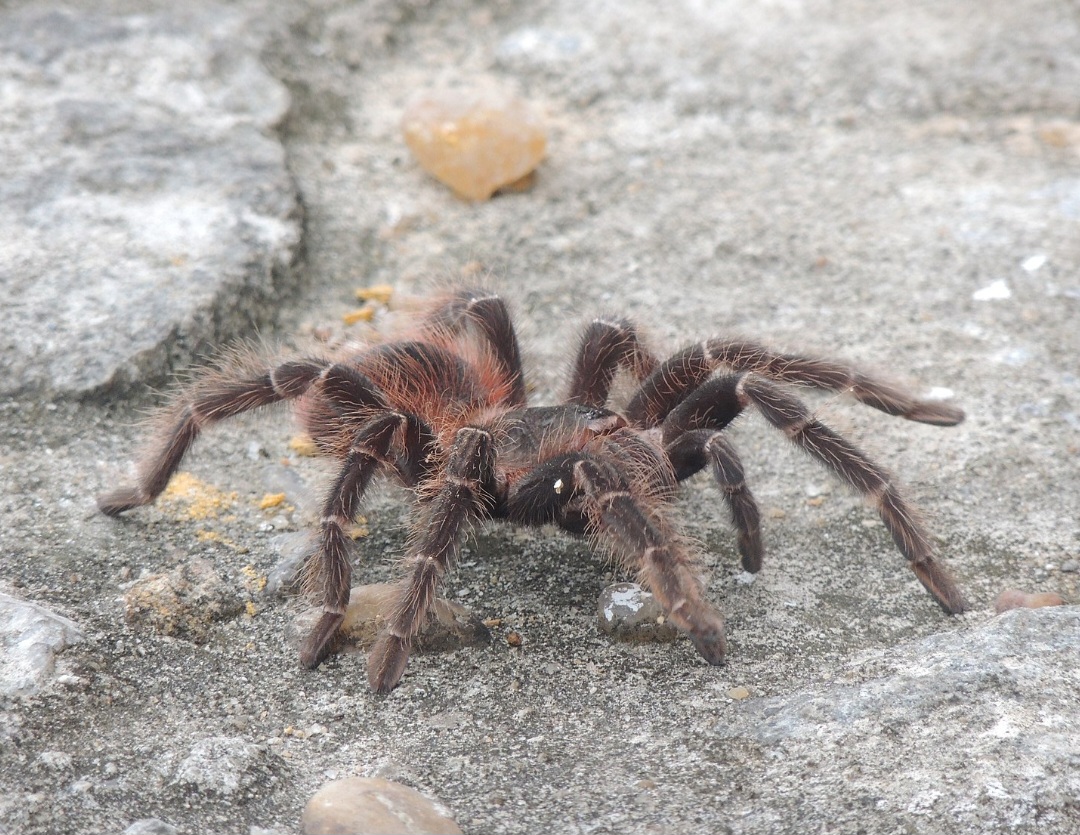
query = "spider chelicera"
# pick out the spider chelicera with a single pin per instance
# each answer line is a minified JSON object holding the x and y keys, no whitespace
{"x":444,"y":411}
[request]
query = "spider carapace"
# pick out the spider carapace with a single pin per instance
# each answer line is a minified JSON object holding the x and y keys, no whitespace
{"x":444,"y":412}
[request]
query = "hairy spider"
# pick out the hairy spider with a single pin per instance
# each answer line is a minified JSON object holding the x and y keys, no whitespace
{"x":444,"y":412}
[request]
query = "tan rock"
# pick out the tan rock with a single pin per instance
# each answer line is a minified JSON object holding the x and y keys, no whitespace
{"x":1016,"y":599}
{"x":475,"y":141}
{"x":451,"y":626}
{"x":360,"y":806}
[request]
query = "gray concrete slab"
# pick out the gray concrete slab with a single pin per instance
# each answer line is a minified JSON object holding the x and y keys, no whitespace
{"x":897,"y":187}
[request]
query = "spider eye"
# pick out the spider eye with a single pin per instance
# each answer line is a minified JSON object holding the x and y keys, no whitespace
{"x":558,"y":485}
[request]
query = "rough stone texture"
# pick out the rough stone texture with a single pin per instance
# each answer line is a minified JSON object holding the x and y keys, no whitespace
{"x":894,"y":185}
{"x":226,"y":766}
{"x":30,"y":638}
{"x":974,"y":730}
{"x":146,"y":214}
{"x":355,"y":806}
{"x":151,"y":826}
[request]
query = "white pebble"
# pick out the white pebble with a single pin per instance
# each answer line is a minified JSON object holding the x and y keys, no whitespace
{"x":993,"y":292}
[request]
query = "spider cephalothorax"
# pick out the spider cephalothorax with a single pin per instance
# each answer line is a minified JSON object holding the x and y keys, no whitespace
{"x":445,"y":413}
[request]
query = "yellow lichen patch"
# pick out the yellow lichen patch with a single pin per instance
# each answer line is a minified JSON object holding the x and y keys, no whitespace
{"x":197,"y":500}
{"x":378,"y":293}
{"x":358,"y":529}
{"x":250,"y":609}
{"x":255,"y":580}
{"x":364,"y":314}
{"x":271,"y":500}
{"x":303,"y":445}
{"x":213,"y":536}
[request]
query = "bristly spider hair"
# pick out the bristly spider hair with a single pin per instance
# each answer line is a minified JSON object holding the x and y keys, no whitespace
{"x":444,"y":411}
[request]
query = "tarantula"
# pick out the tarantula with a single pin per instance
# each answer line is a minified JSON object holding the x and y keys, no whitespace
{"x":444,"y":411}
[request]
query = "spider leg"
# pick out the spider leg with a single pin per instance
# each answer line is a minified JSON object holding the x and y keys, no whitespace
{"x":489,"y":315}
{"x":644,"y":542}
{"x":463,"y":494}
{"x":605,"y":348}
{"x":588,"y":493}
{"x":217,"y":398}
{"x":791,"y":416}
{"x":685,"y":371}
{"x":693,"y":451}
{"x":220,"y":397}
{"x":327,"y":571}
{"x":692,"y":439}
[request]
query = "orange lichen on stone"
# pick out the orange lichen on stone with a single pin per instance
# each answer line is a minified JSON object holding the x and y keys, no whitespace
{"x":271,"y":500}
{"x":199,"y":501}
{"x":363,"y":314}
{"x":303,"y":445}
{"x":475,"y":141}
{"x":378,"y":293}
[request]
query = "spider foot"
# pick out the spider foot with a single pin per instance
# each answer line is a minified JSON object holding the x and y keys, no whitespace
{"x":940,"y":584}
{"x":116,"y":502}
{"x":320,"y":641}
{"x":386,"y":662}
{"x":712,"y":647}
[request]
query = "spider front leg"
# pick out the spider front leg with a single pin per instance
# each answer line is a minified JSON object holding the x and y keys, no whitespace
{"x":692,"y":439}
{"x":605,"y":348}
{"x":226,"y":393}
{"x":690,"y":453}
{"x":463,"y":494}
{"x":327,"y":572}
{"x":588,"y":493}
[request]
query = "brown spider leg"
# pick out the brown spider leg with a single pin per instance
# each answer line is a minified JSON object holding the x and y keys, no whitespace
{"x":463,"y":494}
{"x":692,"y":439}
{"x":638,"y":535}
{"x":605,"y":348}
{"x":678,"y":376}
{"x":207,"y":403}
{"x":327,"y":572}
{"x":489,"y":315}
{"x":693,"y":451}
{"x":791,"y":416}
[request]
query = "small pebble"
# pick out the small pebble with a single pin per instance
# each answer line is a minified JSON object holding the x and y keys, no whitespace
{"x":738,"y":693}
{"x":476,"y":141}
{"x":629,"y":613}
{"x":451,"y":626}
{"x":151,"y":826}
{"x":359,"y":806}
{"x":1015,"y":599}
{"x":1070,"y":566}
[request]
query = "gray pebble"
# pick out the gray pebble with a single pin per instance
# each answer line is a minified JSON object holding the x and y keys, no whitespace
{"x":183,"y":603}
{"x":629,"y":613}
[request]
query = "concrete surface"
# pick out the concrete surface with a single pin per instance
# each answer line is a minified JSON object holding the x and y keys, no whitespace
{"x":898,"y":186}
